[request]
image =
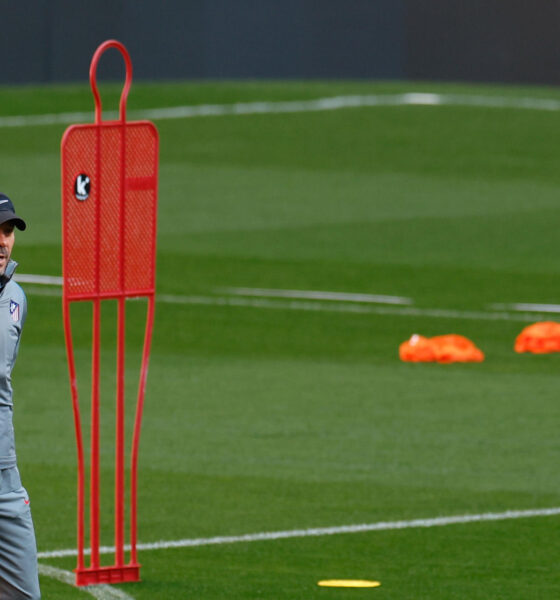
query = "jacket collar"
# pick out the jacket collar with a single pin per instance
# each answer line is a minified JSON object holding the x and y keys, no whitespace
{"x":8,"y":273}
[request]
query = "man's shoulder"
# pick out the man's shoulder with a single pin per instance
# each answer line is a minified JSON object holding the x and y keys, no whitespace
{"x":14,"y":291}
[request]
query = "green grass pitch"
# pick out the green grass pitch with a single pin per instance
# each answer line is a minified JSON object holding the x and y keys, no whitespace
{"x":261,"y":419}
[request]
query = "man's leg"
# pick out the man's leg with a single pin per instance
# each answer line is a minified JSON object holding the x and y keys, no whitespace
{"x":19,"y":579}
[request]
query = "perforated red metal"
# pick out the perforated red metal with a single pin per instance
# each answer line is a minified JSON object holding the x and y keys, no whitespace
{"x":109,"y":237}
{"x":109,"y":216}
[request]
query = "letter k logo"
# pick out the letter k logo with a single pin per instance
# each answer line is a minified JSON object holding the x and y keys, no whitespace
{"x":81,"y":187}
{"x":81,"y":184}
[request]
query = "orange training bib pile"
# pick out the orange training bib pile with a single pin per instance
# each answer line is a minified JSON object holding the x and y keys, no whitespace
{"x":539,"y":338}
{"x":442,"y":349}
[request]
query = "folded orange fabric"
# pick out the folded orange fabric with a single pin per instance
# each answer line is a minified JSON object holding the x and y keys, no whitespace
{"x":539,"y":338}
{"x":442,"y":349}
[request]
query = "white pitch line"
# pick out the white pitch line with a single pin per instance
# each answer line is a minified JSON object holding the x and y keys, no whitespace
{"x":101,"y":592}
{"x":39,"y":279}
{"x":325,"y":531}
{"x":317,"y":295}
{"x":243,"y":291}
{"x":528,"y":307}
{"x":293,"y":106}
{"x":321,"y":302}
{"x":316,"y":306}
{"x":332,"y":307}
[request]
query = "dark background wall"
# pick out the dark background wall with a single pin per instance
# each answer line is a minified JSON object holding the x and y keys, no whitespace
{"x":483,"y":40}
{"x":476,"y":40}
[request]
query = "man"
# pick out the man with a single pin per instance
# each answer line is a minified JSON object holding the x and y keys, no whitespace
{"x":18,"y":551}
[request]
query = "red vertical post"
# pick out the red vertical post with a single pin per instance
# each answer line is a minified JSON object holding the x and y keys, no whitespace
{"x":78,"y":430}
{"x":119,"y":442}
{"x":137,"y":426}
{"x":121,"y":348}
{"x":94,"y":474}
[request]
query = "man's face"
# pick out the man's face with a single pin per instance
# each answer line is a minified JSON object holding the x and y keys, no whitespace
{"x":7,"y":239}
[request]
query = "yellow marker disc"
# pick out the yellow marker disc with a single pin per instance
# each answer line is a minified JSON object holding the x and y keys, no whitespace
{"x":349,"y":583}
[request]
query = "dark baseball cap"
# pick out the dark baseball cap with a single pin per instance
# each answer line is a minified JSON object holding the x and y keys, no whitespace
{"x":8,"y":213}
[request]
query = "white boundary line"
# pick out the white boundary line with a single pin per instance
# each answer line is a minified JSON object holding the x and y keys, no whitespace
{"x":294,"y":106}
{"x":324,"y":531}
{"x":101,"y":592}
{"x":335,"y":302}
{"x":317,"y":295}
{"x":330,"y":307}
{"x":39,"y":279}
{"x":528,"y":307}
{"x":316,"y":306}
